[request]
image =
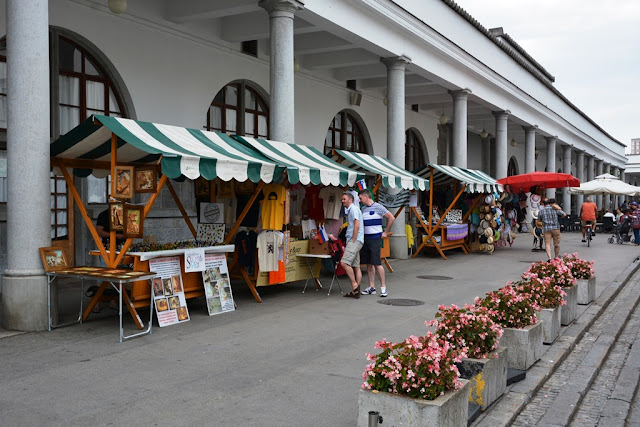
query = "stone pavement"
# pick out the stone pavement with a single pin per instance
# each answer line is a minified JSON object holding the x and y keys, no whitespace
{"x":295,"y":359}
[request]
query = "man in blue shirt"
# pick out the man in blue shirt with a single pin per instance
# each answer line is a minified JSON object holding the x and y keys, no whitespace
{"x":355,"y":239}
{"x":372,"y":215}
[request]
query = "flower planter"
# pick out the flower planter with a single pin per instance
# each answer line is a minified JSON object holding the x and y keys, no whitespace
{"x":550,"y":318}
{"x":586,"y":290}
{"x":524,"y":344}
{"x":570,"y":310}
{"x":487,"y":377}
{"x":396,"y":410}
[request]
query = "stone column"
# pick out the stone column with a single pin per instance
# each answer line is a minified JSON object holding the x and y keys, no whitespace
{"x":607,"y":198}
{"x":529,"y":148}
{"x":282,"y":108}
{"x":566,"y":168}
{"x":551,"y":161}
{"x":614,"y":199}
{"x":623,"y":178}
{"x":485,"y":147}
{"x":501,"y":162}
{"x":460,"y":127}
{"x":599,"y":168}
{"x":396,"y":140}
{"x":24,"y":285}
{"x":580,"y":176}
{"x":591,"y":168}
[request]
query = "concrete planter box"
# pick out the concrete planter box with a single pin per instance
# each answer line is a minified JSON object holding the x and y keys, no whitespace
{"x":550,"y":318}
{"x":487,"y":377}
{"x":525,"y":345}
{"x":570,"y":310}
{"x":448,"y":410}
{"x":586,"y":290}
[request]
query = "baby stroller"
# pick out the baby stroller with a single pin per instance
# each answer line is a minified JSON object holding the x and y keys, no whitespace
{"x":621,"y":231}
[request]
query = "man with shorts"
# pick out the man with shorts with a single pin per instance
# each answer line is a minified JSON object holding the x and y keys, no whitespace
{"x":588,"y":212}
{"x":355,"y":239}
{"x":372,"y":214}
{"x":549,"y":215}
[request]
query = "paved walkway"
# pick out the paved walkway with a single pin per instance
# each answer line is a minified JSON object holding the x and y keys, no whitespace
{"x":293,"y":360}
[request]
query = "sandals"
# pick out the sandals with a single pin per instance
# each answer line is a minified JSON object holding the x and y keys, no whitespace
{"x":353,"y":294}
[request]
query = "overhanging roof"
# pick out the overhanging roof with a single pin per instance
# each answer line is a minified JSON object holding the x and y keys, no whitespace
{"x":305,"y":164}
{"x":392,"y":175}
{"x":476,"y":181}
{"x":184,"y":151}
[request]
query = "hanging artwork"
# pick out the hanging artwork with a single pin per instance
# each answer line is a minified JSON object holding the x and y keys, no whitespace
{"x":116,"y":216}
{"x":133,"y":221}
{"x":145,"y":180}
{"x":122,"y":186}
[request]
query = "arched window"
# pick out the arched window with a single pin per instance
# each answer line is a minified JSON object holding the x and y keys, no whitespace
{"x":345,"y":133}
{"x":415,"y":155}
{"x":80,"y":87}
{"x":83,"y":87}
{"x":512,"y":169}
{"x":239,"y":108}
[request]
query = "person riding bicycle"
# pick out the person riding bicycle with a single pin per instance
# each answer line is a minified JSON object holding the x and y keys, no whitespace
{"x":588,"y":212}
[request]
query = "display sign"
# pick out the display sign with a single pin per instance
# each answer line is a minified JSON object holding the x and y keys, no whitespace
{"x":217,"y":285}
{"x":193,"y":260}
{"x":212,"y":213}
{"x":210,"y":233}
{"x":168,"y":291}
{"x":297,"y":268}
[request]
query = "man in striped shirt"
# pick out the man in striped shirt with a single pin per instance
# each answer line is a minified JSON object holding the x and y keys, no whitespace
{"x":372,"y":214}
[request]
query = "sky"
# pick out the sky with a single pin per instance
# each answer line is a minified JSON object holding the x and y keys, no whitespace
{"x":591,"y":47}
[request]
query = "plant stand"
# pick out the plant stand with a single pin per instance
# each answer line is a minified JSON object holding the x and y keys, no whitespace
{"x":396,"y":410}
{"x":487,"y":377}
{"x":570,"y":310}
{"x":586,"y":290}
{"x":524,"y":344}
{"x":550,"y":318}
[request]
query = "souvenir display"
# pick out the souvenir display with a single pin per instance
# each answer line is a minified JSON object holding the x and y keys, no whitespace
{"x":53,"y":259}
{"x":122,"y":185}
{"x":145,"y":180}
{"x":133,"y":221}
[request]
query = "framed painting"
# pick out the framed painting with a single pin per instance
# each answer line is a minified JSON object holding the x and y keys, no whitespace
{"x":145,"y":180}
{"x":123,"y":182}
{"x":116,"y":216}
{"x":203,"y":188}
{"x":53,"y":258}
{"x":133,"y":221}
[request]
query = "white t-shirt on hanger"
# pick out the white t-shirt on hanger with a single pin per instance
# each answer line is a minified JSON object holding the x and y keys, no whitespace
{"x":269,"y":249}
{"x":331,"y":201}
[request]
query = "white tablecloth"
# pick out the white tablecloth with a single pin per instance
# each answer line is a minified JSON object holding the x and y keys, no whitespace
{"x":144,"y":256}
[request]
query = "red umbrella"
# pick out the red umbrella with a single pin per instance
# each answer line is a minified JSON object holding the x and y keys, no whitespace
{"x":525,"y":181}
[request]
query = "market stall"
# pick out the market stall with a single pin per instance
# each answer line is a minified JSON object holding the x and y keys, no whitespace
{"x":446,"y":228}
{"x":134,"y":153}
{"x":388,"y":176}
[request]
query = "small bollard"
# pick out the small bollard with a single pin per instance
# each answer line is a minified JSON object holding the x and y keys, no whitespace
{"x":374,"y":418}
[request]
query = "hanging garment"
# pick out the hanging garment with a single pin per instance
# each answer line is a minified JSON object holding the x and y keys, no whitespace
{"x":315,"y":210}
{"x":273,"y":206}
{"x":270,"y":250}
{"x":331,"y":202}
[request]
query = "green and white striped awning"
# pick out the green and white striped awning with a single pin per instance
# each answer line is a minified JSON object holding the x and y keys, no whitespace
{"x":184,"y":151}
{"x":392,"y":175}
{"x":305,"y":164}
{"x":476,"y":181}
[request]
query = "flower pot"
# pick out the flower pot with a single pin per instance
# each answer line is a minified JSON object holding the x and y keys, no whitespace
{"x":396,"y":410}
{"x":524,"y":345}
{"x":487,"y":377}
{"x":570,"y":310}
{"x":550,"y":318}
{"x":586,"y":290}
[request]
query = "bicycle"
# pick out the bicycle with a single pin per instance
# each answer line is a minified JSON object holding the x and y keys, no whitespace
{"x":589,"y":232}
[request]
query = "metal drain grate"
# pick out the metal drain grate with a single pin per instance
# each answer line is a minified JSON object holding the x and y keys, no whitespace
{"x":428,"y":277}
{"x":403,"y":302}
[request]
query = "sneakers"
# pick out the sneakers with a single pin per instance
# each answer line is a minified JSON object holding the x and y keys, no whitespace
{"x":383,"y":292}
{"x":584,"y":241}
{"x":369,"y":291}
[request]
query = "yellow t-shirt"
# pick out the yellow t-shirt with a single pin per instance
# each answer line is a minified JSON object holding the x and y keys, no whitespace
{"x":273,"y":206}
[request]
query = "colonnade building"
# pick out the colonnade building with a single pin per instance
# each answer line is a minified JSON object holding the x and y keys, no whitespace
{"x":416,"y":81}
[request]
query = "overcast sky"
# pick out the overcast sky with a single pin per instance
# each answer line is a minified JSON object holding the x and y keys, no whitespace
{"x":591,"y":47}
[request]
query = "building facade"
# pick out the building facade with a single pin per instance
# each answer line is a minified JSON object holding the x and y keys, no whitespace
{"x":416,"y":81}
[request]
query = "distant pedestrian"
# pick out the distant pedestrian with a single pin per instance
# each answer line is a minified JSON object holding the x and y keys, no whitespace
{"x":635,"y":215}
{"x":355,"y":239}
{"x":372,"y":214}
{"x":549,"y":215}
{"x":588,"y":212}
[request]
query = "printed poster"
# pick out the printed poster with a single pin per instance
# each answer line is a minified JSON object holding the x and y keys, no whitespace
{"x":210,"y":233}
{"x":168,"y":292}
{"x":193,"y":260}
{"x":217,"y":285}
{"x":212,"y":213}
